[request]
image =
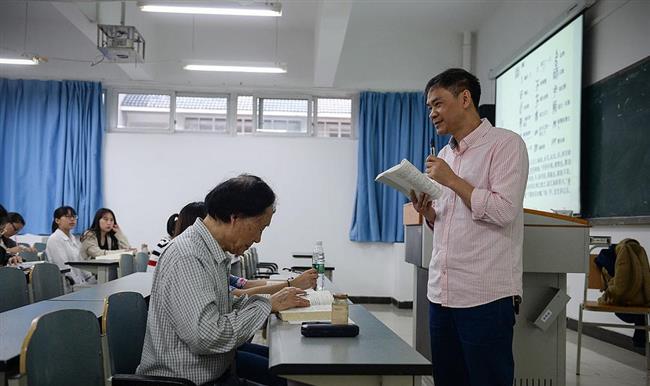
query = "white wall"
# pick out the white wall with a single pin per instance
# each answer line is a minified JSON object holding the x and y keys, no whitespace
{"x":616,"y":35}
{"x":149,"y":176}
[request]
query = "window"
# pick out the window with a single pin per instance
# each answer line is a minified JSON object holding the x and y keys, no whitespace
{"x":284,"y":115}
{"x":334,"y":117}
{"x":244,"y":114}
{"x":145,"y":112}
{"x":205,"y":114}
{"x":287,"y":116}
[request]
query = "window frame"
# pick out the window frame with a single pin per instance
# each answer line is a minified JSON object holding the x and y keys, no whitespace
{"x":229,"y":128}
{"x":259,"y":117}
{"x":113,"y":97}
{"x":112,"y":111}
{"x":354,"y":109}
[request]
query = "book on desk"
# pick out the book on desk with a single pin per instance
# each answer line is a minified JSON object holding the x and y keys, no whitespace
{"x":320,"y":308}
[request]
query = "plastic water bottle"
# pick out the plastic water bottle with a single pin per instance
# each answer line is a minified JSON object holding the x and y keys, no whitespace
{"x":318,"y":262}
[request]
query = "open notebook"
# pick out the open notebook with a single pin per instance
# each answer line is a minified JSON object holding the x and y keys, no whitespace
{"x":320,"y":308}
{"x":406,"y":177}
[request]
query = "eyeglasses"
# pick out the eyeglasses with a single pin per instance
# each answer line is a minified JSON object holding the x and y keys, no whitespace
{"x":16,"y":228}
{"x":70,"y":216}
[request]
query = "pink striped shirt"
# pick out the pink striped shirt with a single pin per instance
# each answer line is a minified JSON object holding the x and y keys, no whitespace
{"x":477,"y":253}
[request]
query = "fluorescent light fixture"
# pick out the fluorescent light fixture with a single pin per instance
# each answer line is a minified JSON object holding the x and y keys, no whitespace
{"x":273,"y":9}
{"x":21,"y":62}
{"x":234,"y":68}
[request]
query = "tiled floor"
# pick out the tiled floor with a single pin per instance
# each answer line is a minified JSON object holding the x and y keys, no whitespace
{"x":602,"y":364}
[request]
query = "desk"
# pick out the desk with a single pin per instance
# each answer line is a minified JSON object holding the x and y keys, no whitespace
{"x":377,"y":356}
{"x":106,"y":270}
{"x":15,"y":323}
{"x":136,"y":282}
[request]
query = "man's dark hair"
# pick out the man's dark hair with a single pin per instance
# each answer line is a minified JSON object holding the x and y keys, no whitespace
{"x":245,"y":196}
{"x":456,"y":80}
{"x":15,"y":218}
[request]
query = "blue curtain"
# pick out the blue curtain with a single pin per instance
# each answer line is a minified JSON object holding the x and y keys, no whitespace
{"x":392,"y":126}
{"x":51,"y":136}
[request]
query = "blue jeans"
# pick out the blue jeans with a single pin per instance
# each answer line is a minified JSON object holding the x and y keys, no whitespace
{"x":472,"y":346}
{"x":253,"y":364}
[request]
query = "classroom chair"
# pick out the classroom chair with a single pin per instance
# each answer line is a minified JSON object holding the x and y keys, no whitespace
{"x":40,"y":247}
{"x":72,"y":338}
{"x":29,"y":256}
{"x":12,"y":281}
{"x":262,"y":267}
{"x":141,"y":262}
{"x":124,"y":323}
{"x":594,"y":280}
{"x":126,"y":265}
{"x":46,"y":281}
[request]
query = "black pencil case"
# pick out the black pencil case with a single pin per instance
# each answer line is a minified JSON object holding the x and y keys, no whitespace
{"x":328,"y":330}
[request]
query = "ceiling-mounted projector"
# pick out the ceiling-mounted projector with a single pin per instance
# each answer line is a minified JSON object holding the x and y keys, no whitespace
{"x":120,"y":43}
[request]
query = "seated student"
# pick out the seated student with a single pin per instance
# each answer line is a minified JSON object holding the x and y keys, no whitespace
{"x":238,"y":285}
{"x":15,"y":223}
{"x":62,"y":246}
{"x":5,"y":258}
{"x":104,"y":237}
{"x":194,"y":325}
{"x":160,"y":246}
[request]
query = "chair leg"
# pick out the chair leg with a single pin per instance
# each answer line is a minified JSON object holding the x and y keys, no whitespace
{"x":579,"y":338}
{"x":647,"y":342}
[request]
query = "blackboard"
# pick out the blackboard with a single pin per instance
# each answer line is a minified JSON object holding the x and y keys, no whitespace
{"x":616,"y":147}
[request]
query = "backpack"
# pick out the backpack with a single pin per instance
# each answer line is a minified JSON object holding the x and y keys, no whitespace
{"x":630,"y":286}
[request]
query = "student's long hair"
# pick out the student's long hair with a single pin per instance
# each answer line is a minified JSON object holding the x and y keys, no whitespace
{"x":96,"y":230}
{"x":60,"y":212}
{"x":188,"y":216}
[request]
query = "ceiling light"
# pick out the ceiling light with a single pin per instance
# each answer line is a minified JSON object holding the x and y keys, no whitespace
{"x":232,"y":68}
{"x":272,"y":9}
{"x":22,"y":62}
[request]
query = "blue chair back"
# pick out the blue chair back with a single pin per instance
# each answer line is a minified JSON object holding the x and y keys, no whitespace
{"x":141,"y":262}
{"x":46,"y":281}
{"x":126,"y":264}
{"x":124,"y":323}
{"x":13,"y":289}
{"x":63,"y":348}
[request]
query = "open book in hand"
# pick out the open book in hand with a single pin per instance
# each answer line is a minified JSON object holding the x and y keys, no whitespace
{"x":320,"y":308}
{"x":406,"y":177}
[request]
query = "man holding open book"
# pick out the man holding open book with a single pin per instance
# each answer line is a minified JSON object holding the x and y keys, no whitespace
{"x":476,"y":267}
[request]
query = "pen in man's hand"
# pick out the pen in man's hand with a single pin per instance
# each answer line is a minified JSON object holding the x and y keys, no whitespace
{"x":433,"y":147}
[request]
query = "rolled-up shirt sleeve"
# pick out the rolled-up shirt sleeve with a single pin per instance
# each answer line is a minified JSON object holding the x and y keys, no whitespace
{"x":502,"y":200}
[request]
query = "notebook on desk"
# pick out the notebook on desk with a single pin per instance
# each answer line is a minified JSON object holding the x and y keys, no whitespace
{"x":112,"y":256}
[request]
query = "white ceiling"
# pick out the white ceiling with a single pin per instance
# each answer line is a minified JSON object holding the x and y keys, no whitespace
{"x":326,"y":44}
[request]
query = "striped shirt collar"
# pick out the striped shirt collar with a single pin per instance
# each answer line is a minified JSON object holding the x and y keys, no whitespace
{"x":471,"y":138}
{"x":210,"y":242}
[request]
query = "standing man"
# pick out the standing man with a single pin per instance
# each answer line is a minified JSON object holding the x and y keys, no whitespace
{"x":478,"y":223}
